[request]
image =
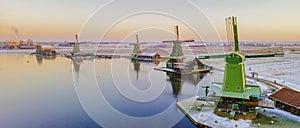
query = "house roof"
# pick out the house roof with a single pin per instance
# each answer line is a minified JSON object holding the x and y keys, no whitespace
{"x":194,"y":61}
{"x":148,"y":54}
{"x":287,"y":96}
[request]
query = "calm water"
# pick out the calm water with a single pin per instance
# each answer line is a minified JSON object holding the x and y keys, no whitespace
{"x":59,"y":92}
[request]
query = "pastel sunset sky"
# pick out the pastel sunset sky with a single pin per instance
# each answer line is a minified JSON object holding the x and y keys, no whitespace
{"x":120,"y":20}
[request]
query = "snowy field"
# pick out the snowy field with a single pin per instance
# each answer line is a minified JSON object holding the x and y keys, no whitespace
{"x":284,"y":70}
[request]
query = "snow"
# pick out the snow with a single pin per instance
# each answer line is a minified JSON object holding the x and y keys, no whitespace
{"x":283,"y":114}
{"x":285,"y":70}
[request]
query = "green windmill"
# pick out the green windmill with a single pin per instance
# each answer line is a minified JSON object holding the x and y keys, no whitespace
{"x":234,"y":75}
{"x":237,"y":98}
{"x":176,"y":54}
{"x":136,"y":48}
{"x":77,"y":53}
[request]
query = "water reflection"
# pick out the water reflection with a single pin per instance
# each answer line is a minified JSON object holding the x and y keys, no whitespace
{"x":37,"y":92}
{"x":137,"y":65}
{"x":177,"y":80}
{"x":48,"y":95}
{"x":176,"y":83}
{"x":76,"y":65}
{"x":40,"y":58}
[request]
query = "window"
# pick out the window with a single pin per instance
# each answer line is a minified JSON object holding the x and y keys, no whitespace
{"x":226,"y":87}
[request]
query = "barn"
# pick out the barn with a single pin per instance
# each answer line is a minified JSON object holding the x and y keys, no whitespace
{"x":287,"y":99}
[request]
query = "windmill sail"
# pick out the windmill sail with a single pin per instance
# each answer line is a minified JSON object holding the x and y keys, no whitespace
{"x":177,"y":52}
{"x":232,"y":33}
{"x":136,"y":47}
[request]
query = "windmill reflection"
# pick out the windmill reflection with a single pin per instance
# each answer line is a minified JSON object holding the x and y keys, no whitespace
{"x":76,"y":67}
{"x":137,"y":65}
{"x":177,"y":80}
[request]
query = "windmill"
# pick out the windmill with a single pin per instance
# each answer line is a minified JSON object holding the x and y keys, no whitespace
{"x":76,"y":49}
{"x":177,"y":53}
{"x":136,"y":48}
{"x":237,"y":98}
{"x":76,"y":52}
{"x":234,"y":74}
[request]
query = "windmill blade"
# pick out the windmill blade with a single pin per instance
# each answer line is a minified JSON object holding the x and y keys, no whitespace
{"x":227,"y":34}
{"x":76,"y":37}
{"x":169,"y":41}
{"x":75,"y":43}
{"x":188,"y":41}
{"x":177,"y":32}
{"x":229,"y":31}
{"x":138,"y":43}
{"x":235,"y":33}
{"x":137,"y":38}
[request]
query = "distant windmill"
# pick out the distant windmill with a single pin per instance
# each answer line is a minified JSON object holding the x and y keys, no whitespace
{"x":76,"y":49}
{"x":177,"y":46}
{"x":76,"y":52}
{"x":136,"y":48}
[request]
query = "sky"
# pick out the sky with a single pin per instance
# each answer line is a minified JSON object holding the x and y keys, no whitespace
{"x":120,"y":20}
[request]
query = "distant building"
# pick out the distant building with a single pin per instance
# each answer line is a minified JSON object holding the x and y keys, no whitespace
{"x":47,"y":52}
{"x":287,"y":99}
{"x":148,"y":56}
{"x":16,"y":44}
{"x":192,"y":65}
